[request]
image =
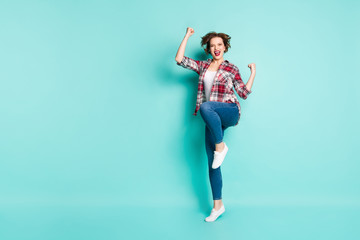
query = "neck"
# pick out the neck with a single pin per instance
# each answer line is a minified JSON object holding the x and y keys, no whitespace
{"x":218,"y":61}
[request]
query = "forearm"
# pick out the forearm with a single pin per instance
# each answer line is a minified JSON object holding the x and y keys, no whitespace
{"x":250,"y":81}
{"x":181,"y":51}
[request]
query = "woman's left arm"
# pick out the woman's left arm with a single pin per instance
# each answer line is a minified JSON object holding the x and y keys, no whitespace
{"x":252,"y":76}
{"x":241,"y":88}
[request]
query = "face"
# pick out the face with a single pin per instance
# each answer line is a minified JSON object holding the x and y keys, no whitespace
{"x":217,"y":48}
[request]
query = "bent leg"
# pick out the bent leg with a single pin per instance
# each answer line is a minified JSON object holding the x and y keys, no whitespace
{"x":218,"y":115}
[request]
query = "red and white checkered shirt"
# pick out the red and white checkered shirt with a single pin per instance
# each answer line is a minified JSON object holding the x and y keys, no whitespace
{"x":226,"y":79}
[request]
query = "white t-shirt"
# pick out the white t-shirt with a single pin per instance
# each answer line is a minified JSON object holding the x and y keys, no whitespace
{"x":208,"y":82}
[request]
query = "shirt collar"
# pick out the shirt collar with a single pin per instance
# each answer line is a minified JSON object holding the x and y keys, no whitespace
{"x":209,"y":61}
{"x":222,"y":65}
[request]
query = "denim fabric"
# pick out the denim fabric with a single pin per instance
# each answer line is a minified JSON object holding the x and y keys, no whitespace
{"x":217,"y":116}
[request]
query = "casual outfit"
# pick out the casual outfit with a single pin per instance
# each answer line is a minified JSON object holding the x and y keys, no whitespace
{"x":227,"y":77}
{"x":218,"y":106}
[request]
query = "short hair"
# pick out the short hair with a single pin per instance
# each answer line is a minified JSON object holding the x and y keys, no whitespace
{"x":205,"y":40}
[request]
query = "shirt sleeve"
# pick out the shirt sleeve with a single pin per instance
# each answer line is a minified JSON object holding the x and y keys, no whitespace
{"x":239,"y":85}
{"x":191,"y":64}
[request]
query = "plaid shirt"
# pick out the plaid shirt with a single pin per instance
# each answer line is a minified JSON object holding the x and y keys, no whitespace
{"x":226,"y":79}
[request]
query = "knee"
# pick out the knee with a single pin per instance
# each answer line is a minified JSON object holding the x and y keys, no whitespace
{"x":204,"y":107}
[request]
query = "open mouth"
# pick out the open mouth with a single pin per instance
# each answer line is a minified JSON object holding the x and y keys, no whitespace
{"x":217,"y":53}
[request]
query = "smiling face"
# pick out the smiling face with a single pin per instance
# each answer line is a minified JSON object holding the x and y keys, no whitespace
{"x":217,"y":47}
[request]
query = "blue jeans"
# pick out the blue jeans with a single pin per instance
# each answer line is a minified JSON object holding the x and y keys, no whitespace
{"x":217,"y":116}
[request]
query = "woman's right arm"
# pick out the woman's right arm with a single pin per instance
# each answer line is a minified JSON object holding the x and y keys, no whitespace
{"x":184,"y":61}
{"x":181,"y":51}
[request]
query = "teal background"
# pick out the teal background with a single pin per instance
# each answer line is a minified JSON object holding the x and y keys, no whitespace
{"x":98,"y":140}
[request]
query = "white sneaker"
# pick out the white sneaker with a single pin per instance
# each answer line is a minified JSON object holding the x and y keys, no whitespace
{"x":219,"y":157}
{"x":215,"y":214}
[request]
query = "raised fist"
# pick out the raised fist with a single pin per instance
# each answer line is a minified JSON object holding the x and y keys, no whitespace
{"x":189,"y":31}
{"x":252,"y":67}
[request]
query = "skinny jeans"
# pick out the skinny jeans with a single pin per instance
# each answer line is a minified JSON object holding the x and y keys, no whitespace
{"x":217,"y":116}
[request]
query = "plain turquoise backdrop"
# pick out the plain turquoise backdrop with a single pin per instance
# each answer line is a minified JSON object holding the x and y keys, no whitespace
{"x":98,"y":140}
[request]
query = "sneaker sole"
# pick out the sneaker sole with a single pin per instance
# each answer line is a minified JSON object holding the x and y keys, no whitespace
{"x":216,"y":217}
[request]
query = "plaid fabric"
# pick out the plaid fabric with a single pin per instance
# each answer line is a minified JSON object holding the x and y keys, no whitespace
{"x":226,"y":79}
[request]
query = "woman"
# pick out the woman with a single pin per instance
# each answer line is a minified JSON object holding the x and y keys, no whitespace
{"x":217,"y":102}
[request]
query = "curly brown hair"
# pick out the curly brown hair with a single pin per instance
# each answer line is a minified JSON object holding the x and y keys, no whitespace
{"x":205,"y":40}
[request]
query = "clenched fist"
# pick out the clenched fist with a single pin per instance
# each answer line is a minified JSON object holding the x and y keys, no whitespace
{"x":252,"y":67}
{"x":189,"y":31}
